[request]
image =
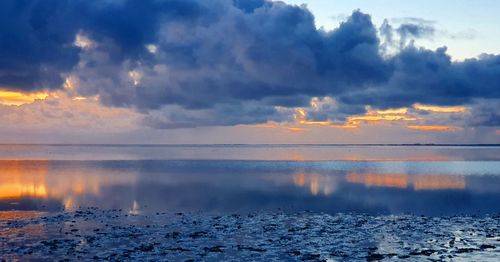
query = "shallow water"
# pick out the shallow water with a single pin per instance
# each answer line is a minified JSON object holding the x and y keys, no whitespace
{"x":429,"y":180}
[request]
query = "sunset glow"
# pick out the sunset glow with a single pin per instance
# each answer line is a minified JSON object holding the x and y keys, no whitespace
{"x":12,"y":98}
{"x":432,"y":128}
{"x":440,"y":109}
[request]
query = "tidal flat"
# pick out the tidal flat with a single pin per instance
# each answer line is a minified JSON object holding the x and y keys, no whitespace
{"x":117,"y":235}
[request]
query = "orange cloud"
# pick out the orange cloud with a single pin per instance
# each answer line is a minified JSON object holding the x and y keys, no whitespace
{"x":61,"y":110}
{"x":296,"y":129}
{"x":302,"y":123}
{"x":394,"y":111}
{"x":432,"y":128}
{"x":346,"y":126}
{"x":440,"y":109}
{"x":12,"y":98}
{"x":315,"y":123}
{"x":394,"y":114}
{"x":377,"y":118}
{"x":268,"y":125}
{"x":274,"y":125}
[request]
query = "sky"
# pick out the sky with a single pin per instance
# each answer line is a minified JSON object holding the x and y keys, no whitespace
{"x":249,"y":71}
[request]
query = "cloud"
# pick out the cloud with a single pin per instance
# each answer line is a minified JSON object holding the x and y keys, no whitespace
{"x":188,"y":63}
{"x":431,"y":128}
{"x":58,"y":111}
{"x":485,"y":114}
{"x":412,"y":20}
{"x":410,"y":31}
{"x":430,"y":77}
{"x":35,"y":44}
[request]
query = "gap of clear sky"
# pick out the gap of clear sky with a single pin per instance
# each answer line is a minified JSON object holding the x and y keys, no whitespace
{"x":467,"y":27}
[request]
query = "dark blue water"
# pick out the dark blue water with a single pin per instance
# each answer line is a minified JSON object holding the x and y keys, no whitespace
{"x":234,"y":179}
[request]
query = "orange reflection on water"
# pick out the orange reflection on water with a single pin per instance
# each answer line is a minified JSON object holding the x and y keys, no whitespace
{"x":380,"y":180}
{"x":434,"y":182}
{"x":317,"y":183}
{"x":419,"y":182}
{"x":299,"y":179}
{"x":20,"y":215}
{"x":23,"y":178}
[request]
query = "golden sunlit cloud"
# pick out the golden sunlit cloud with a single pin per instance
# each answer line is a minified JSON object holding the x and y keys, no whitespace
{"x":268,"y":125}
{"x":12,"y":98}
{"x":440,"y":109}
{"x":432,"y":128}
{"x":274,"y":125}
{"x":135,"y":76}
{"x":296,"y":129}
{"x":396,"y":111}
{"x":377,"y":118}
{"x":83,"y":42}
{"x":70,"y":83}
{"x":300,"y":114}
{"x":315,"y":123}
{"x":346,"y":126}
{"x":373,"y":116}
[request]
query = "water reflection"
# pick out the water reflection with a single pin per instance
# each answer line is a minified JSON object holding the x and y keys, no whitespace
{"x":381,"y":180}
{"x":317,"y":183}
{"x":45,"y":181}
{"x":418,"y":182}
{"x":19,"y":179}
{"x":241,"y":186}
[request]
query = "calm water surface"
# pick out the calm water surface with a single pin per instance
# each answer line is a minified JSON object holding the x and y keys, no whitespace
{"x":435,"y":180}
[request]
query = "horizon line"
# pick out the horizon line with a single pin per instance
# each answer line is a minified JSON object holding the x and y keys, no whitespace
{"x":250,"y":144}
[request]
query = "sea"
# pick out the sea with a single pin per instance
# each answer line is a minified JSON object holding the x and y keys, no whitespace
{"x":430,"y":180}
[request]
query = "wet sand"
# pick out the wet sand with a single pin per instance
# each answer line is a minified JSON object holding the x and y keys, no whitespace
{"x":96,"y":234}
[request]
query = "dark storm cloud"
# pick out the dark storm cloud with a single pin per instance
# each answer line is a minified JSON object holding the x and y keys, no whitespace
{"x":35,"y":44}
{"x":270,"y":53}
{"x":37,"y":36}
{"x":430,"y":77}
{"x":219,"y":115}
{"x":225,"y":62}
